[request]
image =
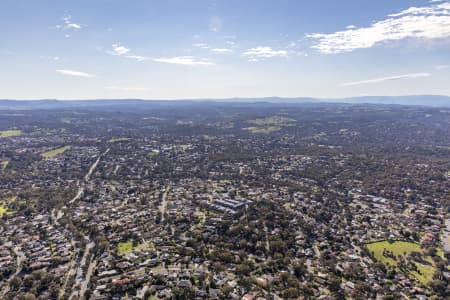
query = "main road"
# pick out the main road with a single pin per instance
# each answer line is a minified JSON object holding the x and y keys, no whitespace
{"x":446,"y":236}
{"x":87,"y":177}
{"x":75,"y":268}
{"x":163,"y":206}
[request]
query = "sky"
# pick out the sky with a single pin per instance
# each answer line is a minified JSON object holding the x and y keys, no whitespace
{"x":172,"y":49}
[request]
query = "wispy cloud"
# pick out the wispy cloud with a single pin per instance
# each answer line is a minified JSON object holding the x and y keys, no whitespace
{"x":54,"y":58}
{"x":68,"y":24}
{"x":74,"y":73}
{"x":185,"y":60}
{"x":441,"y":67}
{"x":201,"y":45}
{"x":260,"y":52}
{"x":390,"y":78}
{"x":138,"y":57}
{"x":123,"y":51}
{"x":126,"y":88}
{"x":119,"y":49}
{"x":427,"y":22}
{"x":221,"y":50}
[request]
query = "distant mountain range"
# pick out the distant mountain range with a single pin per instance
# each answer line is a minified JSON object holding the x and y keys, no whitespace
{"x":421,"y":100}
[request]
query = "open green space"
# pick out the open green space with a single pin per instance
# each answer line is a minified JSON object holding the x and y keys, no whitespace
{"x":269,"y":124}
{"x":153,"y":153}
{"x":3,"y":210}
{"x":3,"y":203}
{"x":266,"y":130}
{"x":274,"y":120}
{"x":125,"y":247}
{"x":67,"y":120}
{"x":401,"y":248}
{"x":10,"y":133}
{"x":4,"y":164}
{"x":113,"y":140}
{"x":397,"y":248}
{"x":50,"y":154}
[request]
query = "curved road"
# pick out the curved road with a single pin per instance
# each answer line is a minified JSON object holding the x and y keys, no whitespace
{"x":20,"y":259}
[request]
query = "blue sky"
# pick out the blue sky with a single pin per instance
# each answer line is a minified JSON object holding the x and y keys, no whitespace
{"x":170,"y":49}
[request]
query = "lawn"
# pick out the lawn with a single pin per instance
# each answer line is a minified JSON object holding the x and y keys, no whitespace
{"x":52,"y":153}
{"x":113,"y":140}
{"x":267,"y":130}
{"x":405,"y":249}
{"x":4,"y":164}
{"x":269,"y":124}
{"x":9,"y":133}
{"x":67,"y":120}
{"x":3,"y":210}
{"x":398,"y":248}
{"x":274,"y":120}
{"x":153,"y":153}
{"x":125,"y":247}
{"x":426,"y":273}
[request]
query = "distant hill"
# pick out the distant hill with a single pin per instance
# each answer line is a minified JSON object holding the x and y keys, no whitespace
{"x":422,"y":100}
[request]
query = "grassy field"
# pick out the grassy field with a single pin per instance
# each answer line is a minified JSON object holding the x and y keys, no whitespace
{"x":9,"y":133}
{"x":266,"y":130}
{"x":153,"y":153}
{"x":398,"y":248}
{"x":67,"y":120}
{"x":3,"y":210}
{"x":125,"y":247}
{"x":113,"y":140}
{"x":269,"y":124}
{"x":4,"y":164}
{"x":272,"y":121}
{"x":50,"y":154}
{"x":405,"y":249}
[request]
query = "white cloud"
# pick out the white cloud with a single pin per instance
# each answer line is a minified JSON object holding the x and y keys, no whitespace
{"x":54,"y":58}
{"x":126,"y":88}
{"x":74,"y":73}
{"x":68,"y":24}
{"x":185,"y":60}
{"x":201,"y":45}
{"x":122,"y":51}
{"x":428,"y":22}
{"x":221,"y":50}
{"x":138,"y":57}
{"x":390,"y":78}
{"x":259,"y":52}
{"x":119,"y":49}
{"x":441,"y":67}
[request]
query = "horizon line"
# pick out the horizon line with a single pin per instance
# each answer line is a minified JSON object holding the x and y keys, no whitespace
{"x":223,"y":98}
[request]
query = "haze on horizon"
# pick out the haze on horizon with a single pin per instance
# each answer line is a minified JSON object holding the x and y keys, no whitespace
{"x":219,"y":49}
